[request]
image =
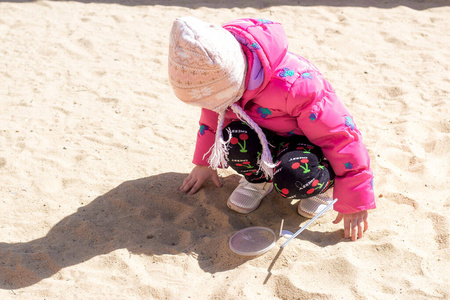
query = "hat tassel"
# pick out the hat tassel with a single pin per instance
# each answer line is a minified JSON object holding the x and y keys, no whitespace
{"x":219,"y":151}
{"x":265,"y":161}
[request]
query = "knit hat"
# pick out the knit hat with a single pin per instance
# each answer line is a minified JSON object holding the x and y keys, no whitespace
{"x":207,"y":68}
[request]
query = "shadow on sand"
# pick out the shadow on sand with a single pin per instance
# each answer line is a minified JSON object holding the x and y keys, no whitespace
{"x":147,"y":216}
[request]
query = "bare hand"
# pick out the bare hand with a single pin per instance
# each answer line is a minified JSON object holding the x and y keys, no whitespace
{"x":198,"y":176}
{"x":353,"y":224}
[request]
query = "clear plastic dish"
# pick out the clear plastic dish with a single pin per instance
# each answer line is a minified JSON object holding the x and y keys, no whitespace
{"x":252,"y":241}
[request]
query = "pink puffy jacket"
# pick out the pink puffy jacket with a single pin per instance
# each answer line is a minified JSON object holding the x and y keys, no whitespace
{"x":288,"y":95}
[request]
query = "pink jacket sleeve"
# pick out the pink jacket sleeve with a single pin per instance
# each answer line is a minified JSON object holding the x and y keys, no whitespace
{"x":205,"y":136}
{"x":325,"y":120}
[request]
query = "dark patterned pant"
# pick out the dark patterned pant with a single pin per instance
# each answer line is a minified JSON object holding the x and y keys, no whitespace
{"x":301,"y":170}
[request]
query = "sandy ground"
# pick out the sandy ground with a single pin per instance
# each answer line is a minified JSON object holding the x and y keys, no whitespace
{"x":94,"y":146}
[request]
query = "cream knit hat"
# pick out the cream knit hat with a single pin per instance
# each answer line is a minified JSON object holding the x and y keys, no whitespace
{"x":207,"y":68}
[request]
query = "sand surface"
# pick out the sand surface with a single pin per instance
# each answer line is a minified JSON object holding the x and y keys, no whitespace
{"x":94,"y":146}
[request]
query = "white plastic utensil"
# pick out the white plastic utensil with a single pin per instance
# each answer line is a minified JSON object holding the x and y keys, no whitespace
{"x":309,"y":223}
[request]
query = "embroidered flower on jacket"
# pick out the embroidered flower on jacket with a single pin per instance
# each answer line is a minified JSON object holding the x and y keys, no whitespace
{"x":349,"y":122}
{"x":287,"y":72}
{"x":307,"y":75}
{"x":256,"y":46}
{"x":313,"y":116}
{"x":348,"y":165}
{"x":264,"y":21}
{"x":263,"y":112}
{"x":202,"y":129}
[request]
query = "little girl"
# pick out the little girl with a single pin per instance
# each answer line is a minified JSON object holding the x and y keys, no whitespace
{"x":271,"y":116}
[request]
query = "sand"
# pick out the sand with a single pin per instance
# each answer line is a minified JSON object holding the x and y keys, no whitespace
{"x":94,"y":146}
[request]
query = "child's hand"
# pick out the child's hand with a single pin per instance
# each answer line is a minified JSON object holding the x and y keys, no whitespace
{"x":353,"y":224}
{"x":198,"y":176}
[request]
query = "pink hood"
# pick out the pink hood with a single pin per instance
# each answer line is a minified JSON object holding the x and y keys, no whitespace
{"x":271,"y":38}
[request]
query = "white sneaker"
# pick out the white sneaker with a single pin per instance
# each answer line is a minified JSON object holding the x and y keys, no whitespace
{"x":310,"y":207}
{"x":247,"y":196}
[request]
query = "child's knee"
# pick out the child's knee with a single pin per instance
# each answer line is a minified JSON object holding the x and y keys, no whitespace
{"x":300,"y":175}
{"x":244,"y":142}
